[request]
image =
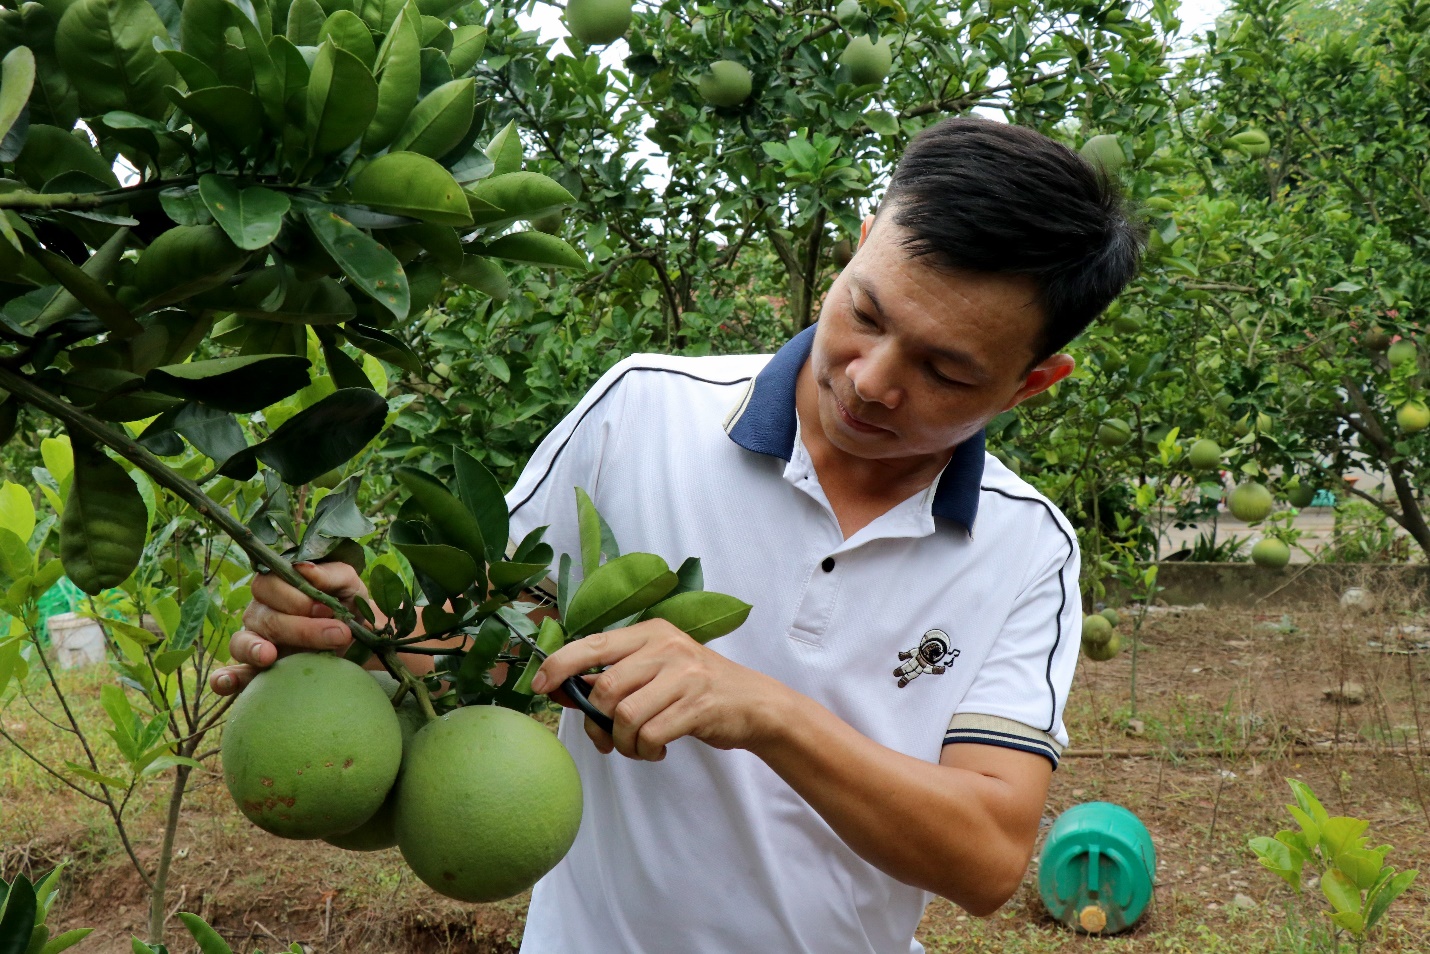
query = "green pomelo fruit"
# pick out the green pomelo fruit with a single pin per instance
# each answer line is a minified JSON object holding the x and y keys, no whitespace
{"x":725,"y":84}
{"x":1413,"y":416}
{"x":598,"y":22}
{"x":550,"y":223}
{"x":1104,"y":151}
{"x":847,"y":11}
{"x":1301,"y":495}
{"x":868,"y":62}
{"x":1113,"y":432}
{"x":489,"y":802}
{"x":1402,"y":352}
{"x":1127,"y":324}
{"x":1205,"y":454}
{"x":1224,"y":401}
{"x":1253,"y":142}
{"x":1104,"y":651}
{"x":1250,"y":502}
{"x":843,"y":252}
{"x":1111,"y":615}
{"x":380,"y":831}
{"x":1096,"y":630}
{"x":1271,"y":552}
{"x":1112,"y":360}
{"x":311,"y":747}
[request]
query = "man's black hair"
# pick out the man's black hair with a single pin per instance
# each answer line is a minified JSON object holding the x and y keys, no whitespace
{"x":986,"y":196}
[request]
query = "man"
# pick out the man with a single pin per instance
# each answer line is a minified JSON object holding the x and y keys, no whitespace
{"x":885,"y":725}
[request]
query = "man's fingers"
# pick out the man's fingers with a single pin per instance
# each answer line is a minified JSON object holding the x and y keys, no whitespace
{"x":248,"y":647}
{"x":338,"y":579}
{"x":598,"y":649}
{"x":296,"y":632}
{"x":231,"y":679}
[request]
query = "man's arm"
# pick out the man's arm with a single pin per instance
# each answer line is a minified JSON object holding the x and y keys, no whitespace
{"x":963,"y":829}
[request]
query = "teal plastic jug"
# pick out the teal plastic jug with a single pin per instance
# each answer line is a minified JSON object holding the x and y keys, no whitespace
{"x":1097,"y":868}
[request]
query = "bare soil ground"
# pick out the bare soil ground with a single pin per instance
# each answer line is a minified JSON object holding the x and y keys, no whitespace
{"x":1228,"y":705}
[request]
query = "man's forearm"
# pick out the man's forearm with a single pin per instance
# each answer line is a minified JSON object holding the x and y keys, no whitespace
{"x":932,"y":826}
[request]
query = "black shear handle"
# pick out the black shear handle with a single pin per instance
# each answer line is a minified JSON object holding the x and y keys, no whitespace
{"x":580,"y":692}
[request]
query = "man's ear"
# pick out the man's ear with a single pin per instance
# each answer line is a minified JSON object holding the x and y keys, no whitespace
{"x":864,"y":228}
{"x":1042,"y":377}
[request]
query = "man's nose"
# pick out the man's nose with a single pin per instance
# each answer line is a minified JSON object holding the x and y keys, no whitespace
{"x":876,"y":378}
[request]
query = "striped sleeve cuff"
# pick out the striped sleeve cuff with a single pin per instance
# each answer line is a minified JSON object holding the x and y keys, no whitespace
{"x":546,"y":587}
{"x":996,"y":730}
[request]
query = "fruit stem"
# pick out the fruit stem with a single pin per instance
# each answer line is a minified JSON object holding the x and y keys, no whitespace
{"x":191,"y":493}
{"x":408,"y":682}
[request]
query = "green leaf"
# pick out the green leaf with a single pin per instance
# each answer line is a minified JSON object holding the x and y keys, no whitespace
{"x":92,"y":776}
{"x":1350,"y":921}
{"x":241,"y":384}
{"x":214,"y":433}
{"x":107,"y":49}
{"x":468,"y":42}
{"x":16,"y":560}
{"x":387,"y":590}
{"x":449,"y":567}
{"x":702,"y":614}
{"x":186,"y":261}
{"x":482,"y":495}
{"x":1307,"y":801}
{"x":9,"y":662}
{"x":305,"y":20}
{"x":407,"y":183}
{"x":191,"y":620}
{"x":90,"y":292}
{"x":1340,"y":891}
{"x":484,"y":276}
{"x":65,"y":941}
{"x":342,"y":100}
{"x":550,"y":638}
{"x":1340,"y":833}
{"x":440,"y":120}
{"x":347,"y":30}
{"x":17,"y":510}
{"x":319,"y":438}
{"x":399,"y":62}
{"x":691,"y":576}
{"x":505,"y":150}
{"x":382,"y":345}
{"x":519,"y":195}
{"x":17,"y":79}
{"x":453,"y":522}
{"x":1361,"y":866}
{"x":252,"y":217}
{"x":168,"y":662}
{"x":17,"y":916}
{"x":229,"y":114}
{"x":1380,"y":900}
{"x":371,"y":267}
{"x":1277,"y":857}
{"x":616,"y":589}
{"x":163,"y":763}
{"x":588,"y":523}
{"x":103,"y":530}
{"x":195,"y":73}
{"x":206,"y":937}
{"x":50,"y":152}
{"x":535,"y":248}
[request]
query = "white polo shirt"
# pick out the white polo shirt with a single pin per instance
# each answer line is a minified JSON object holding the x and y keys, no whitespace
{"x":709,"y":851}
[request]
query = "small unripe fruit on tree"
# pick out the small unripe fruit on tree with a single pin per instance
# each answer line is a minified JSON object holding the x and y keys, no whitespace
{"x":1104,"y":151}
{"x":1113,"y":432}
{"x":1250,"y":502}
{"x":1127,"y":324}
{"x":1111,"y":615}
{"x":1104,"y":651}
{"x":849,"y":13}
{"x":1205,"y":454}
{"x":598,"y":22}
{"x":1096,"y":630}
{"x":868,"y":62}
{"x":1402,"y":352}
{"x":1301,"y":495}
{"x":1271,"y":553}
{"x":843,"y":252}
{"x":1376,"y":339}
{"x":1253,"y":142}
{"x":726,"y":84}
{"x":1413,"y":417}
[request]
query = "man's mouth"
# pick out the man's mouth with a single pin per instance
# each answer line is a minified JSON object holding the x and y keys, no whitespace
{"x":853,"y":422}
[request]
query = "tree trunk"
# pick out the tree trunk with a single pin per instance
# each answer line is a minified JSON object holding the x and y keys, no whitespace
{"x":166,"y":850}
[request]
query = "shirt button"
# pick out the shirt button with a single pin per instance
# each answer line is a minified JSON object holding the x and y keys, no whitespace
{"x":828,"y":564}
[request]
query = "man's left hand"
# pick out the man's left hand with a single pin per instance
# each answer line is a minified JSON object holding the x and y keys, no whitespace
{"x":661,"y":685}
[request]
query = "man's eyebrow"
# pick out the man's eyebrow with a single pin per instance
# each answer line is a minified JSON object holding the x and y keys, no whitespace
{"x":961,"y":358}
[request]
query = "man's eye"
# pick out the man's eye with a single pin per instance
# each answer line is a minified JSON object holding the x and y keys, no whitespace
{"x":943,"y":380}
{"x":862,"y":318}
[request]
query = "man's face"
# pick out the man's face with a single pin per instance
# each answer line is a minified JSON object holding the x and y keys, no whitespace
{"x":924,"y":357}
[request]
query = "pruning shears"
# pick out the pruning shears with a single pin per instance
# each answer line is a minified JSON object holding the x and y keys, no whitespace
{"x":577,"y":688}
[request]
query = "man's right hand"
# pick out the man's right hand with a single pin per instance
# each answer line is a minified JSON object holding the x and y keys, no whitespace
{"x":281,"y":620}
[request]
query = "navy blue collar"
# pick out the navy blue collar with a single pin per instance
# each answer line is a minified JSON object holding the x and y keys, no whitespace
{"x":767,"y":425}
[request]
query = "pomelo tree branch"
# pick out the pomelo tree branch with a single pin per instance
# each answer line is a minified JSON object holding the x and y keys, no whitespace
{"x":259,"y":553}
